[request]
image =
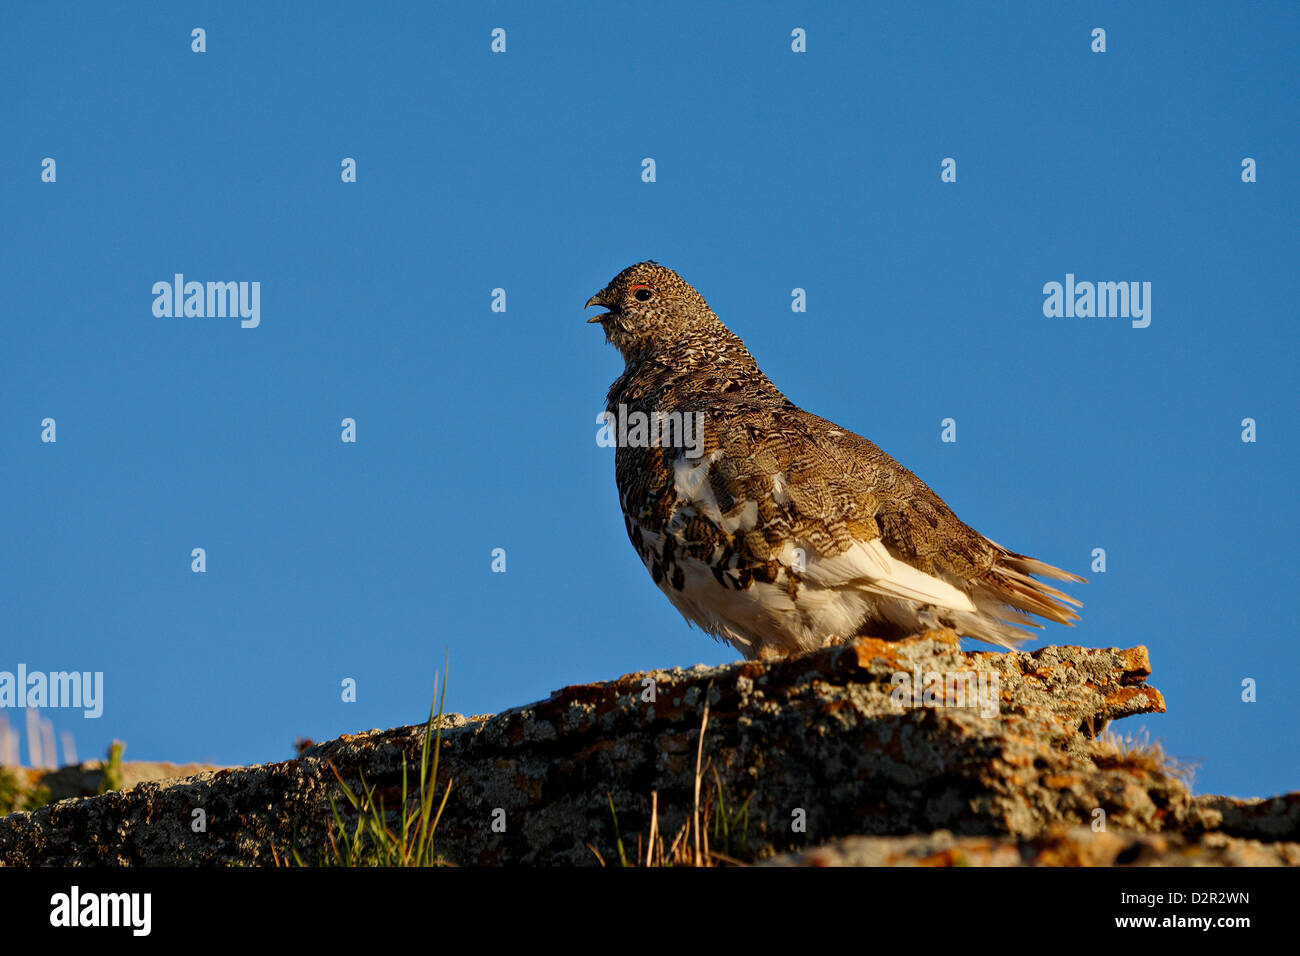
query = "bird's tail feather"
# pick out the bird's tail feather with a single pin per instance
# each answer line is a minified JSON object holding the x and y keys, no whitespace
{"x":1027,"y":565}
{"x":1008,"y":595}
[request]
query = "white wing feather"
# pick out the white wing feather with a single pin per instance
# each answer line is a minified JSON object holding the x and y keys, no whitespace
{"x":868,"y":565}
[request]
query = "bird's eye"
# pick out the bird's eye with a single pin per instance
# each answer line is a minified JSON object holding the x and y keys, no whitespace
{"x":642,"y":294}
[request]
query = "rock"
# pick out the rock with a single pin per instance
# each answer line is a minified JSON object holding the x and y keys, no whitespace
{"x":1058,"y":846}
{"x":83,"y":779}
{"x":820,"y":740}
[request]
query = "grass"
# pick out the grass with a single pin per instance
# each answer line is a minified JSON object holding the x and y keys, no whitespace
{"x":710,"y":824}
{"x":14,"y":798}
{"x":376,"y":839}
{"x":112,"y":770}
{"x":1139,"y":752}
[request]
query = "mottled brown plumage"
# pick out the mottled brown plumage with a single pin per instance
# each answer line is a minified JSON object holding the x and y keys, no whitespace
{"x":788,"y":532}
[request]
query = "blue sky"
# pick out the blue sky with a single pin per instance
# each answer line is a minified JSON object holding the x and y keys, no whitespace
{"x":476,"y":429}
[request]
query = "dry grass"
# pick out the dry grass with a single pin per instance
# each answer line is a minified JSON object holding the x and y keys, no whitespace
{"x":1111,"y":751}
{"x":690,"y":846}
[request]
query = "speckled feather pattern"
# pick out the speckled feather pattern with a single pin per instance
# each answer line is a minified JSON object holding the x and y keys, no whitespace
{"x":776,"y":547}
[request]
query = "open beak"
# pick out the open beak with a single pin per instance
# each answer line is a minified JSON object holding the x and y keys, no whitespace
{"x":597,"y":300}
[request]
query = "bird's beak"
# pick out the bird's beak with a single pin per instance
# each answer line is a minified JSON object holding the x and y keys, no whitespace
{"x":597,"y":300}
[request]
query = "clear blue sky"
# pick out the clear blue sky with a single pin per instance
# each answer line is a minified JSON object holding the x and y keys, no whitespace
{"x":476,"y":429}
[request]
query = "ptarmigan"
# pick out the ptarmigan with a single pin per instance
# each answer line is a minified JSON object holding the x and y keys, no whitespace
{"x":778,"y":531}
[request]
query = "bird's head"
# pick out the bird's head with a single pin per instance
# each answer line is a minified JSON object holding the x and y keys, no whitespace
{"x":650,"y":308}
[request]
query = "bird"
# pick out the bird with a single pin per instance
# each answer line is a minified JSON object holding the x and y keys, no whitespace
{"x":777,"y":531}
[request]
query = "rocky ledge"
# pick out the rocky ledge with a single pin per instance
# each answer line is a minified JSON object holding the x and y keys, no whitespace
{"x":875,"y":753}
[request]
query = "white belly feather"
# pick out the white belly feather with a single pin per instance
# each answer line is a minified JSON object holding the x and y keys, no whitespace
{"x":834,"y":597}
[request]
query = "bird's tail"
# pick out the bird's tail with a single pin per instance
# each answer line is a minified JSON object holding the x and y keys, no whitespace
{"x":1008,"y":594}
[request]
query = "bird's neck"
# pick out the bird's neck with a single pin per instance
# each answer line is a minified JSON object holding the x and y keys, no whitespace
{"x":688,"y":373}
